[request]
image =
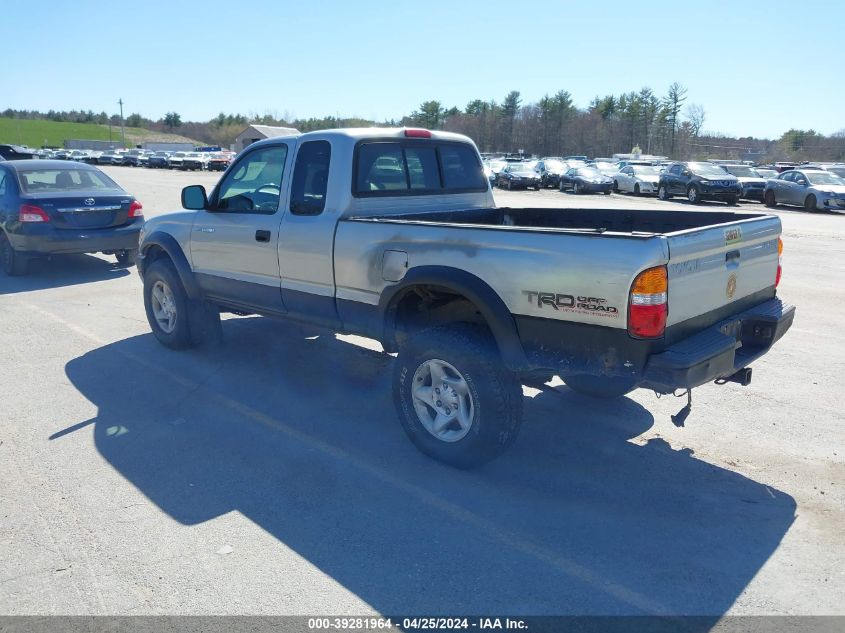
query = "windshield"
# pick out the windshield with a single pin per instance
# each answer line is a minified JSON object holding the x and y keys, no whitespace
{"x":555,"y":165}
{"x":706,"y":169}
{"x":64,"y":180}
{"x":742,"y":170}
{"x":519,"y":168}
{"x":645,"y":170}
{"x":823,"y":178}
{"x":590,"y":172}
{"x":839,"y":171}
{"x":767,"y":173}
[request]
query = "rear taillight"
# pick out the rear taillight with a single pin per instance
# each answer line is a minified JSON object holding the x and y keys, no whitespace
{"x":32,"y":213}
{"x":136,"y":209}
{"x":648,"y":305}
{"x":780,"y":254}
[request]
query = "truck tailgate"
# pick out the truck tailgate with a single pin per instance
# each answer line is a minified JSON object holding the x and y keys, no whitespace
{"x":714,"y":269}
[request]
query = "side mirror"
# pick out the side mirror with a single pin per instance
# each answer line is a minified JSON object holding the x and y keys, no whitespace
{"x":194,"y":198}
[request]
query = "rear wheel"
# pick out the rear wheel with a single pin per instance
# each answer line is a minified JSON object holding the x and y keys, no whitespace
{"x":456,"y":401}
{"x":600,"y":386}
{"x":769,"y":199}
{"x":810,"y":203}
{"x":127,"y":257}
{"x":12,"y":263}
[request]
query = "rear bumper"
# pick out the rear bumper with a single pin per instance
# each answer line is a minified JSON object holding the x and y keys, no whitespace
{"x":49,"y":240}
{"x":720,"y":350}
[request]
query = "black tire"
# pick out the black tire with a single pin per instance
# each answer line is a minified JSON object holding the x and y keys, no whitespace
{"x":769,"y":199}
{"x":537,"y":188}
{"x":495,"y":393}
{"x":693,"y":196}
{"x":127,"y":258}
{"x":195,"y":323}
{"x":615,"y":187}
{"x":510,"y":185}
{"x":637,"y":189}
{"x":810,"y":203}
{"x":608,"y":192}
{"x":663,"y":193}
{"x":576,"y":188}
{"x":560,"y":186}
{"x":732,"y":202}
{"x":604,"y":387}
{"x":12,"y":263}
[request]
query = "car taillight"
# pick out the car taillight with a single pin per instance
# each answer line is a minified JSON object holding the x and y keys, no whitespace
{"x":780,"y":254}
{"x":415,"y":132}
{"x":32,"y":213}
{"x":136,"y":209}
{"x":648,"y":304}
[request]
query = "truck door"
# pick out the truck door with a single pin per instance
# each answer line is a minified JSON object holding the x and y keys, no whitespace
{"x":234,"y":241}
{"x":306,"y":239}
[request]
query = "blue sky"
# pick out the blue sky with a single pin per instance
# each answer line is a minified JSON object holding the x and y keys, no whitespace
{"x":757,"y":67}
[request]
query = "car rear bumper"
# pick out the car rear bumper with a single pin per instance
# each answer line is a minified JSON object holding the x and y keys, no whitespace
{"x":47,"y":240}
{"x":721,"y":350}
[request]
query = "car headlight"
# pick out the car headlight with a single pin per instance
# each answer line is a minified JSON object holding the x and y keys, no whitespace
{"x":705,"y":182}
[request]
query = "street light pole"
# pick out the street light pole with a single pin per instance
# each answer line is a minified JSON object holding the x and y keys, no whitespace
{"x":122,"y":125}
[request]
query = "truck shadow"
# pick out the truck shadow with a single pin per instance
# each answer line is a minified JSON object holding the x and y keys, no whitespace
{"x":62,"y":270}
{"x":295,"y":429}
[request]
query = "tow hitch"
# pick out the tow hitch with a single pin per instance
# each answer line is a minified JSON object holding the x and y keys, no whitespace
{"x":742,"y":377}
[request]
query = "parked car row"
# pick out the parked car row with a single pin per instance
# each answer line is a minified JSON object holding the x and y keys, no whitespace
{"x":214,"y":161}
{"x":816,"y":186}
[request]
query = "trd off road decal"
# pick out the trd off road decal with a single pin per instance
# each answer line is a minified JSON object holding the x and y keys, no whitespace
{"x":733,"y":235}
{"x":571,"y":303}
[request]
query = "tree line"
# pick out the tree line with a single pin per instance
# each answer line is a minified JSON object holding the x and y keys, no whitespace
{"x":553,"y":126}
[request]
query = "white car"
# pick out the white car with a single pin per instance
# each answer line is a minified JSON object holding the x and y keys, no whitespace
{"x":637,"y":179}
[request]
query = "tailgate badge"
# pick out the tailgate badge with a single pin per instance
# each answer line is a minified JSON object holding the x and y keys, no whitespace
{"x":731,"y":289}
{"x":733,"y":235}
{"x":89,"y":202}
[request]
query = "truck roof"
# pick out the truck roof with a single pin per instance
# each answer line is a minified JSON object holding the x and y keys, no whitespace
{"x":358,"y":133}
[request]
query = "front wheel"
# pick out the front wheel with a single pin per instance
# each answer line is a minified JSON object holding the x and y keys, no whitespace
{"x":693,"y":195}
{"x":576,"y":188}
{"x":455,"y":399}
{"x":607,"y":192}
{"x":732,"y":201}
{"x":615,"y":187}
{"x":636,"y":189}
{"x":810,"y":204}
{"x":177,"y":321}
{"x":663,"y":192}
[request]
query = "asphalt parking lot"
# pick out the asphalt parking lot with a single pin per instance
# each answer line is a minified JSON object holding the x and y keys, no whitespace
{"x":270,"y":475}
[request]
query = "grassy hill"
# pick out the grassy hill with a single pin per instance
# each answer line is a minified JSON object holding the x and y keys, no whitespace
{"x":35,"y":133}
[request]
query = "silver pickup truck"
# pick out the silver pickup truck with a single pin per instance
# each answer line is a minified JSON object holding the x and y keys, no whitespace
{"x":393,"y":234}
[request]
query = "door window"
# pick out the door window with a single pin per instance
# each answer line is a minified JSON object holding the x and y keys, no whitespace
{"x":254,"y":184}
{"x":676,"y":170}
{"x":310,"y":178}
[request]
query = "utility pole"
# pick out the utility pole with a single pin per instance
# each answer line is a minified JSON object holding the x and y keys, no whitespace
{"x":122,"y":126}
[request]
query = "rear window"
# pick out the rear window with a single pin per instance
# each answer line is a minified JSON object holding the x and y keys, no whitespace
{"x":35,"y":180}
{"x":414,"y":168}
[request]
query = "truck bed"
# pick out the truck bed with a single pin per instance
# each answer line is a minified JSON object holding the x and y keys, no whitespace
{"x":613,"y":221}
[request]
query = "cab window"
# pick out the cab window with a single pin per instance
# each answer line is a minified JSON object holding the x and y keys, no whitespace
{"x":310,"y":178}
{"x":254,"y":184}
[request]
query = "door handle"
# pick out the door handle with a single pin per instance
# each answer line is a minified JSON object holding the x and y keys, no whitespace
{"x":262,"y":236}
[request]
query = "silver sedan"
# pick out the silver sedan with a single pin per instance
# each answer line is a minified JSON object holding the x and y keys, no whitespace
{"x":813,"y":189}
{"x":637,"y":179}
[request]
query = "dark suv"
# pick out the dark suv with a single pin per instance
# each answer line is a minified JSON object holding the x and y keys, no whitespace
{"x":14,"y":152}
{"x":698,"y":181}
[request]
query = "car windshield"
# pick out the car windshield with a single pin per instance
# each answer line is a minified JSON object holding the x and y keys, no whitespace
{"x":590,"y":172}
{"x":742,"y":170}
{"x":63,"y":180}
{"x":520,"y":168}
{"x":706,"y":169}
{"x":839,"y":171}
{"x":645,"y":170}
{"x":823,"y":178}
{"x":767,"y":173}
{"x":556,"y":165}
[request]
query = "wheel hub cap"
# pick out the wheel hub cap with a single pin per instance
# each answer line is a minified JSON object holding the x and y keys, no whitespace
{"x":164,"y":307}
{"x":442,"y":400}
